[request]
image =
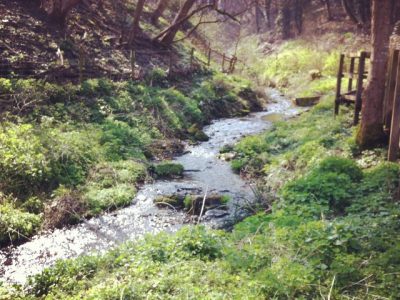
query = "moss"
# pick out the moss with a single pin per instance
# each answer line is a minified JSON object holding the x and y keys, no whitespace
{"x":370,"y":136}
{"x":167,"y":170}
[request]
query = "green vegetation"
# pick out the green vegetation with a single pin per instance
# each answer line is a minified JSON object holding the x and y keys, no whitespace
{"x":168,"y":170}
{"x":85,"y":148}
{"x":331,"y":231}
{"x":304,"y":249}
{"x":301,"y":67}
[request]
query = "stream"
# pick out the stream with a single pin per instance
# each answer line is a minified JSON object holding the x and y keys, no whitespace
{"x":205,"y":172}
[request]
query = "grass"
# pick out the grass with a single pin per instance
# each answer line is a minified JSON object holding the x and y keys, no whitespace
{"x":304,"y":249}
{"x":168,"y":169}
{"x":333,"y":225}
{"x":86,"y":148}
{"x":331,"y":231}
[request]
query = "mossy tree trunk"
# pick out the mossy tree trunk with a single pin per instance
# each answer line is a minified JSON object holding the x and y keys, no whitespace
{"x":371,"y":129}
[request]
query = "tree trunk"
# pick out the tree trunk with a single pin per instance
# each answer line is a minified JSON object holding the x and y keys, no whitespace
{"x":258,"y":15}
{"x":268,"y":12}
{"x":328,"y":9}
{"x":183,"y":12}
{"x":59,"y":9}
{"x":161,"y":7}
{"x":349,"y":10}
{"x":371,"y":130}
{"x":136,"y":19}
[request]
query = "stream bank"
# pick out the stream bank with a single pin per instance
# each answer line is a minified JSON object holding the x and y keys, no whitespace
{"x":205,"y":172}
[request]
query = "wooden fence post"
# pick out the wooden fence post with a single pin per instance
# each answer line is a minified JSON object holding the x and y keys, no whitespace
{"x":133,"y":63}
{"x":395,"y":126}
{"x":390,"y":88}
{"x":360,"y":80}
{"x":223,"y":62}
{"x":339,"y":84}
{"x":81,"y":63}
{"x":209,"y":57}
{"x":350,"y":85}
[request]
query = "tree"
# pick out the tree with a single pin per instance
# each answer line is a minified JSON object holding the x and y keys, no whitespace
{"x":259,"y":15}
{"x":267,"y":5}
{"x":371,"y":129}
{"x":59,"y":9}
{"x":136,"y":19}
{"x":161,"y":7}
{"x":169,"y":36}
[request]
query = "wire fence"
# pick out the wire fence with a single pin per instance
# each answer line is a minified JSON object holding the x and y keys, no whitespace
{"x":116,"y":64}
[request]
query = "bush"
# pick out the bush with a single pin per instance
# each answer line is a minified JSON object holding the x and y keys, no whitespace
{"x":341,"y":165}
{"x":331,"y":184}
{"x":71,"y":153}
{"x":16,"y":224}
{"x":120,"y":141}
{"x":23,"y":164}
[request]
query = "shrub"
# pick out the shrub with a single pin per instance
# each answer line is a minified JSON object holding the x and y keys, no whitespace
{"x":16,"y":224}
{"x":5,"y":86}
{"x":23,"y":164}
{"x":341,"y":165}
{"x":71,"y":154}
{"x":326,"y":188}
{"x":157,"y":76}
{"x":120,"y":141}
{"x":97,"y":87}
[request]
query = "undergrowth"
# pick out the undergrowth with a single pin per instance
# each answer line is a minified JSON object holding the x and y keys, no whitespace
{"x":321,"y":239}
{"x":86,"y":148}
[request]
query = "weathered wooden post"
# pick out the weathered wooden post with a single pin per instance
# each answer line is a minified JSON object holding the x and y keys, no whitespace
{"x":81,"y":59}
{"x":395,"y":125}
{"x":132,"y":56}
{"x":209,"y":57}
{"x":390,"y":88}
{"x":339,"y":84}
{"x":351,"y":71}
{"x":233,"y":64}
{"x":223,"y":62}
{"x":394,"y":58}
{"x":360,"y":80}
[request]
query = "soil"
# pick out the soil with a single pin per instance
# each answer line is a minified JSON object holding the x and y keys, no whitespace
{"x":94,"y":32}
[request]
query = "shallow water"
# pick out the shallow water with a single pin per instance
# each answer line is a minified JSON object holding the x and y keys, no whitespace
{"x":204,"y":172}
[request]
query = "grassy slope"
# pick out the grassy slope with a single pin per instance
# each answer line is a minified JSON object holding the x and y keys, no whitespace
{"x":332,"y":231}
{"x":85,"y":148}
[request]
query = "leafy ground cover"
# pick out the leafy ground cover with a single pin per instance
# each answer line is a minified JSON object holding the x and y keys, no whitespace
{"x":330,"y":230}
{"x":86,"y":148}
{"x":334,"y":232}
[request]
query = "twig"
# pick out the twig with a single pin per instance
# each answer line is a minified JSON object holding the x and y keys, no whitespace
{"x":202,"y":206}
{"x":167,"y":204}
{"x":332,"y":284}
